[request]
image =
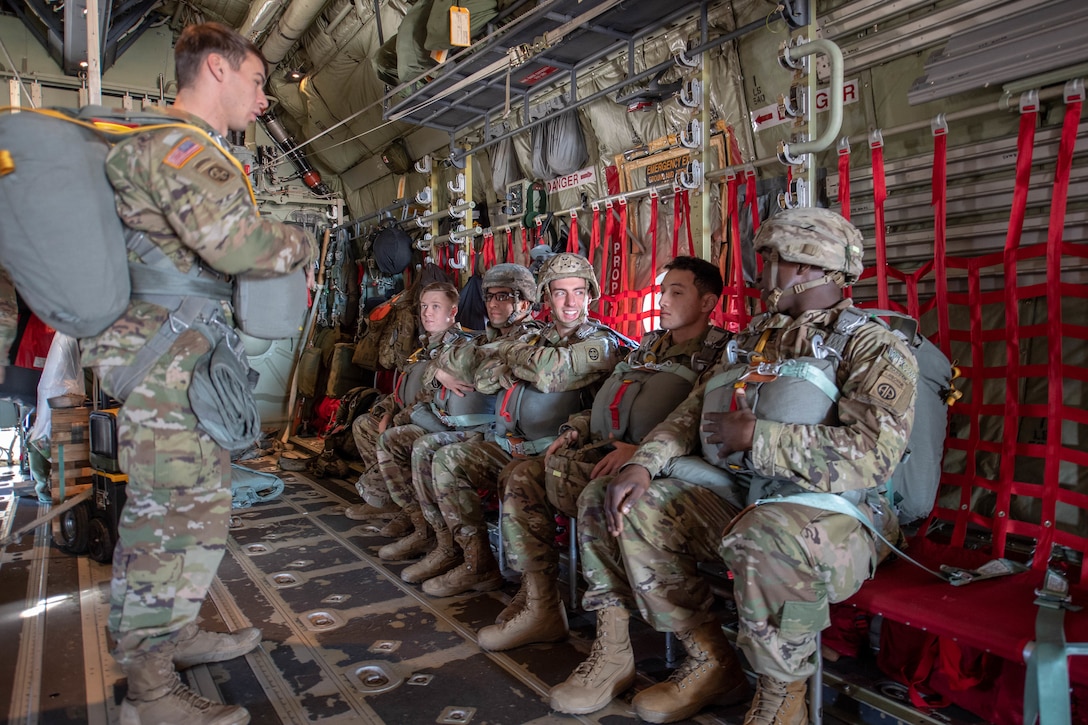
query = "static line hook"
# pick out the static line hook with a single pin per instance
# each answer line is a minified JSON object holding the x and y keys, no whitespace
{"x":423,"y":166}
{"x":692,"y":177}
{"x":423,"y":198}
{"x":692,"y":135}
{"x":458,"y":186}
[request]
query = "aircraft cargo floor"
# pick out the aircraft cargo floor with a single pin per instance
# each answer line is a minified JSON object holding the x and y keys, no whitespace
{"x":345,"y":640}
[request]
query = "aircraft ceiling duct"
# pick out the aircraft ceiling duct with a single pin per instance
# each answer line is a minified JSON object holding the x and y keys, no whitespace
{"x":296,"y":19}
{"x":310,"y":176}
{"x":260,"y":16}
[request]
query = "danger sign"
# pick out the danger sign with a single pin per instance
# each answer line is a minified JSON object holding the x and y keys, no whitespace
{"x":568,"y":181}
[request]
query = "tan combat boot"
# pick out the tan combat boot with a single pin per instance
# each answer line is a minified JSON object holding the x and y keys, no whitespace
{"x":516,"y":605}
{"x":399,"y":526}
{"x":608,"y":671}
{"x":156,"y":695}
{"x":366,"y":512}
{"x":542,"y":619}
{"x":443,"y":557}
{"x":711,"y":673}
{"x":778,"y":703}
{"x":479,"y":572}
{"x":196,"y":646}
{"x":420,"y":541}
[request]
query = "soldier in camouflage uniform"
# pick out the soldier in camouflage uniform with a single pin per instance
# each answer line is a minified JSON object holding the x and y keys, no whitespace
{"x":788,"y":560}
{"x":639,"y":394}
{"x":182,"y":189}
{"x":9,"y":319}
{"x":453,"y":412}
{"x":543,"y":373}
{"x":437,"y":317}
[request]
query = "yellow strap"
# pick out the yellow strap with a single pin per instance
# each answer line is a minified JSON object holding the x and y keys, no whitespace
{"x":111,"y":128}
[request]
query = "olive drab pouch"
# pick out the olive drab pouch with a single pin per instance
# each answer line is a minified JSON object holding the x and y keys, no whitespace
{"x":400,"y":336}
{"x":344,"y":375}
{"x":568,"y":471}
{"x":367,"y":349}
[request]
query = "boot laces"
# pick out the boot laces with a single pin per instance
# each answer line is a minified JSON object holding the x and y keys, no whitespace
{"x":589,"y":667}
{"x":190,"y":699}
{"x":694,"y":662}
{"x":767,"y":705}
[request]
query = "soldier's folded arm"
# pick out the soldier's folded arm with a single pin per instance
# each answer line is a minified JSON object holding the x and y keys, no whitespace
{"x":555,"y":369}
{"x":876,"y":410}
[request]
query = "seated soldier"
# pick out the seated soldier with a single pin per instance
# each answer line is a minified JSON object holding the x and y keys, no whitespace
{"x":638,"y":395}
{"x":824,"y":401}
{"x":453,"y":412}
{"x":540,"y":380}
{"x":437,"y":311}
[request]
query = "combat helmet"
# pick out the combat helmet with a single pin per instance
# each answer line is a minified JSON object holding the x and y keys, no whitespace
{"x":514,"y":276}
{"x":814,"y":236}
{"x":565,"y":265}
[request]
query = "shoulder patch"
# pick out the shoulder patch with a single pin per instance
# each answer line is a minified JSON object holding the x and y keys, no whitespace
{"x":183,"y":151}
{"x":214,"y":170}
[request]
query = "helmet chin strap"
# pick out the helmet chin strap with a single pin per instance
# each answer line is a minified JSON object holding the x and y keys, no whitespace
{"x":835,"y":278}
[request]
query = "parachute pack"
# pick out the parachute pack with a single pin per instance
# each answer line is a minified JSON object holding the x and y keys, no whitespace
{"x":66,"y":249}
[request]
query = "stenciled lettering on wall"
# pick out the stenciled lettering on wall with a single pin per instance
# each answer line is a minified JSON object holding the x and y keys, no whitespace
{"x":774,"y":115}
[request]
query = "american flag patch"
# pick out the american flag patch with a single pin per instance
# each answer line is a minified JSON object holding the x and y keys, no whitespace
{"x":184,"y":150}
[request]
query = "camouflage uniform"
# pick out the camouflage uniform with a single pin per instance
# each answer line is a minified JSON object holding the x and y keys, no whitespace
{"x":372,"y":485}
{"x":193,"y":204}
{"x":528,"y":516}
{"x":548,"y":362}
{"x":789,"y":561}
{"x":395,"y":447}
{"x":9,"y":316}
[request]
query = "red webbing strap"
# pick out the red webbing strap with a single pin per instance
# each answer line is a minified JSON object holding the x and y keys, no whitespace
{"x":1054,"y":332}
{"x":614,"y":406}
{"x":609,"y":260}
{"x":751,"y":200}
{"x":1011,"y":424}
{"x":653,"y":253}
{"x":471,"y":257}
{"x":844,"y":181}
{"x":880,"y":195}
{"x":525,"y":241}
{"x":621,"y":305}
{"x":510,"y":244}
{"x":739,"y":309}
{"x":504,"y":409}
{"x":572,"y":235}
{"x":488,"y":252}
{"x":676,"y":225}
{"x":940,"y":234}
{"x":595,"y":234}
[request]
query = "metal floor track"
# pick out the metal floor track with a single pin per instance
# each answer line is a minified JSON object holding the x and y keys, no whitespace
{"x":345,"y":640}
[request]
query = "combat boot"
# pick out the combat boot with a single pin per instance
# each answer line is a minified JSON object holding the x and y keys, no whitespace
{"x":443,"y":557}
{"x":366,"y":512}
{"x":479,"y":572}
{"x":711,"y":673}
{"x":542,"y":619}
{"x":196,"y":646}
{"x":516,"y":605}
{"x":399,"y":526}
{"x":156,"y":695}
{"x":420,"y":541}
{"x":608,"y":671}
{"x":778,"y":703}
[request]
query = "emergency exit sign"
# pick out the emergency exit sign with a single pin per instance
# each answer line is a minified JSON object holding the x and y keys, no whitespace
{"x":774,"y":115}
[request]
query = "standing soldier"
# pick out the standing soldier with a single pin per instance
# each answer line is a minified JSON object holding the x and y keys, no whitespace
{"x":437,"y":314}
{"x":453,"y":413}
{"x":638,"y":395}
{"x":540,"y":380}
{"x":831,"y":405}
{"x":9,"y":319}
{"x":193,"y":202}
